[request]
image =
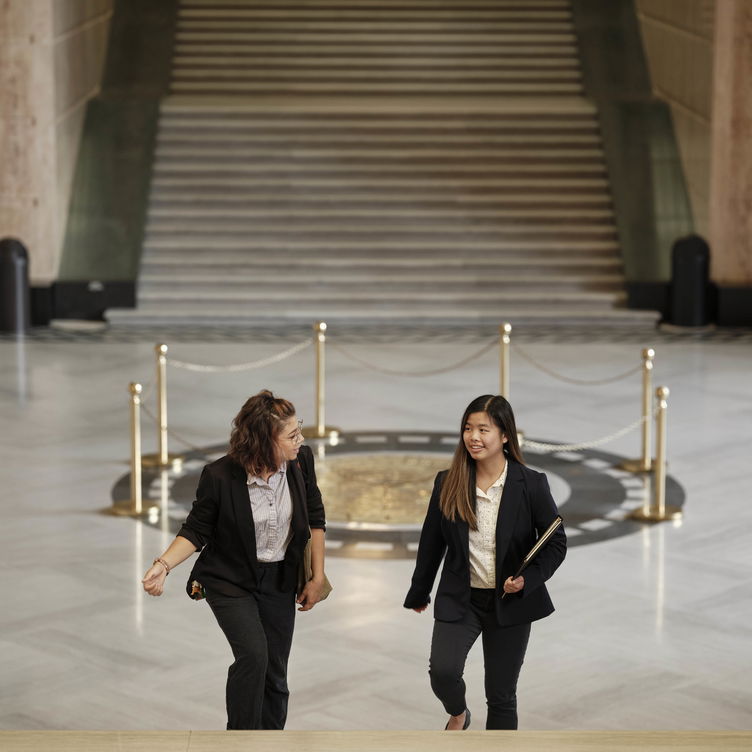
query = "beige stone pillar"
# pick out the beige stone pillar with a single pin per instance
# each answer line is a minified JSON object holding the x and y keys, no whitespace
{"x":28,"y":174}
{"x":731,"y":150}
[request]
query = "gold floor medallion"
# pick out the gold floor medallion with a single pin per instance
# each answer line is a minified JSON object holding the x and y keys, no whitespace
{"x":378,"y":489}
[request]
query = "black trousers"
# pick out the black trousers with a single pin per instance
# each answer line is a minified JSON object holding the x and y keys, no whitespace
{"x":259,"y":628}
{"x":503,"y":653}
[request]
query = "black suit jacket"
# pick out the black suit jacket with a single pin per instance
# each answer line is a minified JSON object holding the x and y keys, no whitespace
{"x":526,"y":510}
{"x":220,"y":525}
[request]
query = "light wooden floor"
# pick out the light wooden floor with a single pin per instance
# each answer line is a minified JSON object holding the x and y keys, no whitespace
{"x":365,"y":741}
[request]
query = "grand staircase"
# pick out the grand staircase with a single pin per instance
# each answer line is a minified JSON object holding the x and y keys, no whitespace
{"x":378,"y":160}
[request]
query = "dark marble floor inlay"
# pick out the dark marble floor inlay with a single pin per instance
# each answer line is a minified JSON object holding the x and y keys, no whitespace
{"x":376,"y":487}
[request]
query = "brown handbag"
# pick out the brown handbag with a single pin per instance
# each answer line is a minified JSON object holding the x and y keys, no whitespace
{"x":305,"y":572}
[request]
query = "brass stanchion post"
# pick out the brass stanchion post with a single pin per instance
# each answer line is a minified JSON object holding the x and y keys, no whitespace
{"x":161,"y":353}
{"x":505,"y":331}
{"x":658,"y":511}
{"x":320,"y":430}
{"x":162,"y":458}
{"x":134,"y":505}
{"x":136,"y":500}
{"x":644,"y":463}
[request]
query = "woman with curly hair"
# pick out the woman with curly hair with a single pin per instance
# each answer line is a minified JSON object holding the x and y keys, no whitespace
{"x":251,"y":519}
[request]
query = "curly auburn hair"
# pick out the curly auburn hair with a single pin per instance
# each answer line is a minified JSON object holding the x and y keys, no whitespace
{"x":255,"y":429}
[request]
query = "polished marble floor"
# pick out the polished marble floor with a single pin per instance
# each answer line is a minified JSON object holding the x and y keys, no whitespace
{"x":653,"y":628}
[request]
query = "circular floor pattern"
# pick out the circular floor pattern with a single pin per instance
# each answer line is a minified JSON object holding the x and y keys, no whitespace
{"x":376,"y":486}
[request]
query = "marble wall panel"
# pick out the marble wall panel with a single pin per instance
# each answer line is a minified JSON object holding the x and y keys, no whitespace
{"x":678,"y":39}
{"x":79,"y":47}
{"x":51,"y":58}
{"x":28,"y":200}
{"x":731,"y":182}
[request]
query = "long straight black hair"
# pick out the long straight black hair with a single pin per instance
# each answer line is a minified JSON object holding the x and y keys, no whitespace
{"x":458,"y":490}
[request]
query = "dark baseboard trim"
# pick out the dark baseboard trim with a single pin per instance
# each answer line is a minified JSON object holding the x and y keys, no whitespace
{"x":734,"y":306}
{"x":649,"y":296}
{"x":86,"y":300}
{"x":41,"y":304}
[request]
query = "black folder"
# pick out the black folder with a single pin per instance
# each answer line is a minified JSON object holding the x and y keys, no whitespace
{"x":532,"y":553}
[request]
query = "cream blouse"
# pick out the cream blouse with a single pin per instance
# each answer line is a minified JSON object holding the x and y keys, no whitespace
{"x":483,"y":540}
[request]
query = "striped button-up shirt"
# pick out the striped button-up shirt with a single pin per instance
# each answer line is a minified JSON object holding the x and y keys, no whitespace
{"x":483,"y":540}
{"x":271,"y":507}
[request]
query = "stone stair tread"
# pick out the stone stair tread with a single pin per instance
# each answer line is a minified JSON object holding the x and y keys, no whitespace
{"x":277,"y":105}
{"x":431,"y":4}
{"x":517,"y":313}
{"x":282,"y":277}
{"x":218,"y":76}
{"x":409,"y":61}
{"x":239,"y":295}
{"x":214,"y":150}
{"x":388,"y":161}
{"x":255,"y":23}
{"x":463,"y":245}
{"x":403,"y":264}
{"x":288,"y":213}
{"x":360,"y":87}
{"x":173,"y":197}
{"x":222,"y":17}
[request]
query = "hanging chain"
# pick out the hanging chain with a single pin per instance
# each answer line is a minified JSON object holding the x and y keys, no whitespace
{"x":547,"y":448}
{"x":570,"y":379}
{"x":294,"y":350}
{"x":430,"y":372}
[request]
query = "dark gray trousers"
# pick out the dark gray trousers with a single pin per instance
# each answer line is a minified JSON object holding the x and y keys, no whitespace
{"x":503,"y":654}
{"x":259,"y":628}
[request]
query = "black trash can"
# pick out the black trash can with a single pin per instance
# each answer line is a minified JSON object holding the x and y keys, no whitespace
{"x":690,"y":282}
{"x":15,"y":309}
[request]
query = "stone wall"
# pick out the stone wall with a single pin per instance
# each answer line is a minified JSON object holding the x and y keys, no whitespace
{"x":51,"y":59}
{"x":678,"y":39}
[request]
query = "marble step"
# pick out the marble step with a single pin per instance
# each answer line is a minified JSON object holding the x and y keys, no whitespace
{"x":521,"y":316}
{"x":304,"y":184}
{"x":287,"y":158}
{"x":389,"y":33}
{"x":414,"y":213}
{"x":274,"y":202}
{"x":298,"y":5}
{"x":299,"y":267}
{"x":383,"y":108}
{"x":237,"y":250}
{"x":391,"y":234}
{"x":538,"y":312}
{"x":529,"y":49}
{"x":243,"y":138}
{"x":243,"y":296}
{"x":262,"y":31}
{"x":325,"y":11}
{"x":362,"y":87}
{"x":354,"y":287}
{"x":294,"y":60}
{"x":345,"y":73}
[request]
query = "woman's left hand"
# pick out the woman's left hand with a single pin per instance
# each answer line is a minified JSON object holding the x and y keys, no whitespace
{"x":311,"y":594}
{"x":514,"y":586}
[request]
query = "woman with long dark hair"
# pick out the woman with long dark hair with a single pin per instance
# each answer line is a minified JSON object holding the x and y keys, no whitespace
{"x":251,"y":519}
{"x":485,"y":514}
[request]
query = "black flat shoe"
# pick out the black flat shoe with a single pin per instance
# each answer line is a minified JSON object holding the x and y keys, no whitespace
{"x":465,"y":724}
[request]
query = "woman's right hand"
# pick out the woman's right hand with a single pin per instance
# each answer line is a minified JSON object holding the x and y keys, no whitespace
{"x":154,"y":578}
{"x":421,"y":609}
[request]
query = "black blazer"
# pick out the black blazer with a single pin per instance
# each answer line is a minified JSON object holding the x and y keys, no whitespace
{"x":220,"y":525}
{"x":526,"y":510}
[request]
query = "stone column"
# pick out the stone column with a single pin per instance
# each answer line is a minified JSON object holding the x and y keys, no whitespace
{"x":28,"y":174}
{"x":731,"y":150}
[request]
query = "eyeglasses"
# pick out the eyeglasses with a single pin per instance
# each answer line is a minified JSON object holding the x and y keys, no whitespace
{"x":297,"y":436}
